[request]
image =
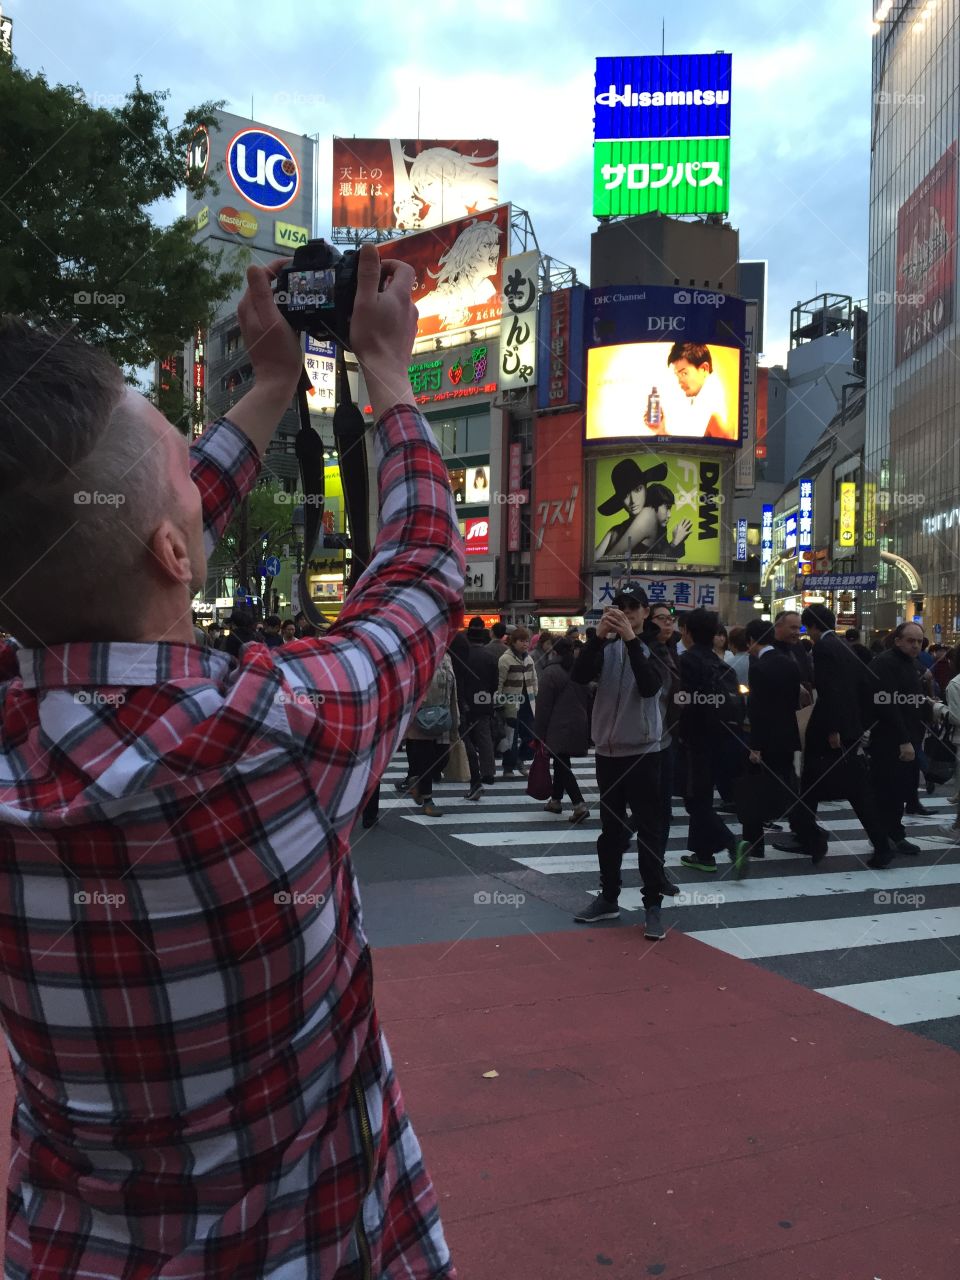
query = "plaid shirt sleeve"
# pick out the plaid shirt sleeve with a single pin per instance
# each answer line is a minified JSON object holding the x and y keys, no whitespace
{"x":349,"y":695}
{"x":224,"y":464}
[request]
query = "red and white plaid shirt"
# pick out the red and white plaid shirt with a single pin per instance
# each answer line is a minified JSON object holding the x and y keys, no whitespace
{"x":186,"y":990}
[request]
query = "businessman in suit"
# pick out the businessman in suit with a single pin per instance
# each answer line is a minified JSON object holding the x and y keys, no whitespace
{"x":769,"y":787}
{"x":833,"y":765}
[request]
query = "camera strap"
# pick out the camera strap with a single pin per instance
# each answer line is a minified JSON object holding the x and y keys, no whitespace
{"x":309,"y":447}
{"x":349,"y":429}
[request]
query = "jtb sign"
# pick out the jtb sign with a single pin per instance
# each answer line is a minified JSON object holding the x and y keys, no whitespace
{"x":263,"y":169}
{"x":683,"y":96}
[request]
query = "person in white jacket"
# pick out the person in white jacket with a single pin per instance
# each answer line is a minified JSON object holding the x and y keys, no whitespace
{"x":952,"y":695}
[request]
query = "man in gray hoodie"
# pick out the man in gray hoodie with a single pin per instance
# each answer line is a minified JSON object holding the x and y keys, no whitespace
{"x":627,"y":731}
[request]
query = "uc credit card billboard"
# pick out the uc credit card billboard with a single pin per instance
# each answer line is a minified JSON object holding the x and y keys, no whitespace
{"x":664,"y":365}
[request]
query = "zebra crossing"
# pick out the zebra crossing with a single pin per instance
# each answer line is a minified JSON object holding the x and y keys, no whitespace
{"x":884,"y":942}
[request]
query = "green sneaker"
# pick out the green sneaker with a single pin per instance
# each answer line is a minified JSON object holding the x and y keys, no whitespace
{"x":741,"y":859}
{"x":696,"y":863}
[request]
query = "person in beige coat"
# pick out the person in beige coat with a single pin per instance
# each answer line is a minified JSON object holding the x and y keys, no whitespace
{"x":428,"y":738}
{"x":517,"y":695}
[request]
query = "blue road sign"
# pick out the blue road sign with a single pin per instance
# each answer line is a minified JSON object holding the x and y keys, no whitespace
{"x":270,"y":567}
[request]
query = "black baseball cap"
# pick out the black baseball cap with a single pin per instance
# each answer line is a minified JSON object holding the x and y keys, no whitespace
{"x":634,"y":598}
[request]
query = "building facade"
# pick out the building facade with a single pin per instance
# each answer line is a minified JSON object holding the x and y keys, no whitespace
{"x":912,"y":463}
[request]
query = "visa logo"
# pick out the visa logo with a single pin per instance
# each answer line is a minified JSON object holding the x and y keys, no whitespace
{"x":289,"y":234}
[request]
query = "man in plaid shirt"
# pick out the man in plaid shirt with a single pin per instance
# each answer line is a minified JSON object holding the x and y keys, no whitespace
{"x":186,"y":990}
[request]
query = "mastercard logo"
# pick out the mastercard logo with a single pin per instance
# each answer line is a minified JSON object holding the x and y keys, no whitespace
{"x":238,"y":222}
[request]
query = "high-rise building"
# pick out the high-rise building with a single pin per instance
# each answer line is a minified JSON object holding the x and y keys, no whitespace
{"x":910,"y":500}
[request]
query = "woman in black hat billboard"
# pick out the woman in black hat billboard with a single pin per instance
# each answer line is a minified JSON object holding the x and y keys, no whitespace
{"x":641,"y":494}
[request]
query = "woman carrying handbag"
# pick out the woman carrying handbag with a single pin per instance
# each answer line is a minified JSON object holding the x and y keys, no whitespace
{"x":562,"y":724}
{"x":433,"y":727}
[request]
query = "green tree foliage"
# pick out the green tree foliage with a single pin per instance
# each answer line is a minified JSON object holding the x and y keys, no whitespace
{"x":78,"y":244}
{"x":266,"y":510}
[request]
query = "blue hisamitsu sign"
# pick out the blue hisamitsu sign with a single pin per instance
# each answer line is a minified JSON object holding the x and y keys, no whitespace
{"x":680,"y":96}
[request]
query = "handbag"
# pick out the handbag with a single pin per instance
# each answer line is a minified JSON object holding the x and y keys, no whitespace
{"x":539,"y":781}
{"x":434,"y":722}
{"x":457,"y":768}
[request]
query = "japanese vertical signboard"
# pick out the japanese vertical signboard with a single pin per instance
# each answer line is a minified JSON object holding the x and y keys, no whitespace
{"x":199,"y":380}
{"x":662,"y":135}
{"x":518,"y":323}
{"x":926,"y":258}
{"x":411,"y":184}
{"x":557,"y":508}
{"x":513,"y":508}
{"x":320,"y":364}
{"x":745,"y":470}
{"x":805,"y":527}
{"x":559,"y":384}
{"x":870,"y":514}
{"x":766,"y":539}
{"x":847,"y":533}
{"x":741,"y":540}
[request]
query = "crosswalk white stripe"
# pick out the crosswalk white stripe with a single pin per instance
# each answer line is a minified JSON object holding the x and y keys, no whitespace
{"x":566,"y":864}
{"x":757,"y":941}
{"x":921,"y":997}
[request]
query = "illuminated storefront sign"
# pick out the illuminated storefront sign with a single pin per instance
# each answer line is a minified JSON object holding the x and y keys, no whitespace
{"x":926,"y":259}
{"x":321,"y":366}
{"x":848,"y":515}
{"x":476,"y":535}
{"x":199,"y":375}
{"x":479,"y":578}
{"x":518,"y":324}
{"x":682,"y":592}
{"x":513,"y":508}
{"x":263,"y":168}
{"x":766,"y":538}
{"x":805,"y":528}
{"x":790,"y":534}
{"x":742,"y":540}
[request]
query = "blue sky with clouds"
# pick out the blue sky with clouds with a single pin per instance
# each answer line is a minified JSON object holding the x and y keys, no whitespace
{"x":520,"y":71}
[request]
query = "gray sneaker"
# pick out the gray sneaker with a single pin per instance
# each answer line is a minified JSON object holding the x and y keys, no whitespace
{"x":652,"y":928}
{"x":597,"y":908}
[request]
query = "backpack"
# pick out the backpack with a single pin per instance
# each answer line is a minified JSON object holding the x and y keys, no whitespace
{"x":433,"y":717}
{"x":730,"y":704}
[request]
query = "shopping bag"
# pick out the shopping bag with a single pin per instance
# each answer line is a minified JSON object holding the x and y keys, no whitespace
{"x":457,"y":768}
{"x":539,"y":781}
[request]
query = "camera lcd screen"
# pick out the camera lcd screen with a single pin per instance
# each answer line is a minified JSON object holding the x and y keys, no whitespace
{"x":307,"y":290}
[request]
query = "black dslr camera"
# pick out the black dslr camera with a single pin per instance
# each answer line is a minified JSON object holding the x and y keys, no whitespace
{"x":316,"y":293}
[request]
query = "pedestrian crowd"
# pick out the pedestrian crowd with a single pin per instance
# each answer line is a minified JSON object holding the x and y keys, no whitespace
{"x":763,"y":722}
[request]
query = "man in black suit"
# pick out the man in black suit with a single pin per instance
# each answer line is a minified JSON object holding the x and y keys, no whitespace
{"x":769,"y":788}
{"x":833,"y":766}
